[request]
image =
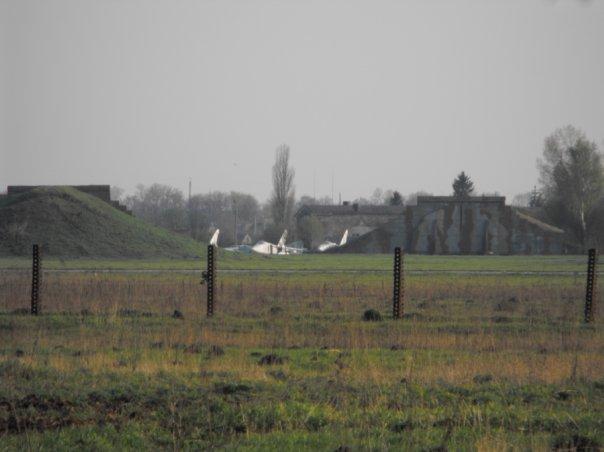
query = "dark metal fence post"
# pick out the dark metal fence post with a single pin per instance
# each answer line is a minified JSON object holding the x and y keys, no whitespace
{"x":209,"y":278}
{"x":590,"y":291}
{"x":398,"y":292}
{"x":36,"y":276}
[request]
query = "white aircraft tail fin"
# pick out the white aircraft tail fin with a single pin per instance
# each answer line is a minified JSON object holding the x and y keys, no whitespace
{"x":214,"y":239}
{"x":282,"y":240}
{"x":344,"y":238}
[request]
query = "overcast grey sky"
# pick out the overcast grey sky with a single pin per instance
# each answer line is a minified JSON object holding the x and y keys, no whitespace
{"x":393,"y":94}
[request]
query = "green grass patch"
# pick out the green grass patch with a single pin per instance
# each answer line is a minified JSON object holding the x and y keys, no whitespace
{"x":320,"y":263}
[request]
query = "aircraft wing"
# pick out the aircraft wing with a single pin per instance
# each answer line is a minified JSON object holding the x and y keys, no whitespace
{"x":326,"y":246}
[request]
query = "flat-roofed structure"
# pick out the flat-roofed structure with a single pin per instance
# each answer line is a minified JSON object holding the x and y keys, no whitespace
{"x":440,"y":225}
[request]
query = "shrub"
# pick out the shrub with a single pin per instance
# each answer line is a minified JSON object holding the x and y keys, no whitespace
{"x":177,"y":314}
{"x":215,"y":350}
{"x":481,"y":379}
{"x":575,"y":442}
{"x":371,"y":315}
{"x":270,"y":359}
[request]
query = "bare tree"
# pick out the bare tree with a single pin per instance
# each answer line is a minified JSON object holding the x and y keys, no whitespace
{"x":282,"y":200}
{"x":310,"y":231}
{"x":532,"y":199}
{"x":572,"y":177}
{"x":234,"y":213}
{"x":160,"y":205}
{"x":522,"y":199}
{"x":244,"y":209}
{"x":377,"y":197}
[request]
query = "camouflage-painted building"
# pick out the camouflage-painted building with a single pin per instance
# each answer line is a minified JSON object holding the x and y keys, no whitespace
{"x":439,"y":225}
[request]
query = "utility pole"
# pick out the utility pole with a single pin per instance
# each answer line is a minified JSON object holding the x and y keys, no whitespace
{"x":192,"y":223}
{"x":236,"y":215}
{"x":255,"y":223}
{"x":332,"y":177}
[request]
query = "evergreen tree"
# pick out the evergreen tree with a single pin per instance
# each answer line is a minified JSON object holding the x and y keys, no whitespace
{"x":396,"y":199}
{"x":463,"y":186}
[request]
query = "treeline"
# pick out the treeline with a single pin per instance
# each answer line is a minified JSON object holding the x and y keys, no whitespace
{"x":236,"y":214}
{"x":239,"y":216}
{"x":570,"y":195}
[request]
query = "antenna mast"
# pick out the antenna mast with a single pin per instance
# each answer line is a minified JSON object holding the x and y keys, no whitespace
{"x":332,"y":177}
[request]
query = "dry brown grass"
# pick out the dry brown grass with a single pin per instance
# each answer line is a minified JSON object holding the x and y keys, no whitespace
{"x":523,"y":329}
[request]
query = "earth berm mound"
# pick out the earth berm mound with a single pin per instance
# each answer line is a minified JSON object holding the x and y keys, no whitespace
{"x":70,"y":223}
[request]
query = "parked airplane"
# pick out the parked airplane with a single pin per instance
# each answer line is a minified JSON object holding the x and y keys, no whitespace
{"x":263,"y":247}
{"x":245,"y":249}
{"x":327,"y":245}
{"x":237,"y":248}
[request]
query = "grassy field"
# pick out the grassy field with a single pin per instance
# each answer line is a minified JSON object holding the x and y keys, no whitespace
{"x":129,"y":361}
{"x":321,"y":262}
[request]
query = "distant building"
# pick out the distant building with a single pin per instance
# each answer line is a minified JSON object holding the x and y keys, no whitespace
{"x":439,"y":225}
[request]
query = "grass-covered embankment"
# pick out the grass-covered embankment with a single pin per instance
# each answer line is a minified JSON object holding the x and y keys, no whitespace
{"x":67,"y":222}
